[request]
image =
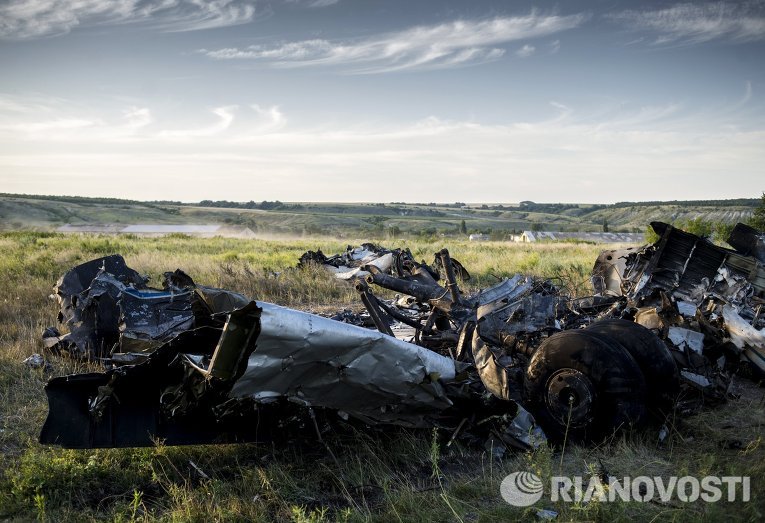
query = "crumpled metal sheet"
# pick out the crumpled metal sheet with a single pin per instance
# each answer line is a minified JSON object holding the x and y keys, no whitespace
{"x":506,"y":312}
{"x":88,"y":296}
{"x":495,"y":376}
{"x":523,"y":428}
{"x":383,"y":263}
{"x":686,"y":339}
{"x":745,"y":336}
{"x":523,"y":306}
{"x":610,"y":271}
{"x":321,"y":362}
{"x":351,"y":264}
{"x":681,"y":264}
{"x":149,"y":318}
{"x":748,"y":241}
{"x":353,"y":257}
{"x":379,"y":380}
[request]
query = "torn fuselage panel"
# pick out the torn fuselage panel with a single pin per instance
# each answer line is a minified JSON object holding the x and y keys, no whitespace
{"x":88,"y":296}
{"x":326,"y":363}
{"x":681,"y":264}
{"x":748,"y":241}
{"x":261,"y":356}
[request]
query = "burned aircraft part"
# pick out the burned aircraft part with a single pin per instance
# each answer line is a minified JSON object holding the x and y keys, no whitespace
{"x":652,"y":356}
{"x":515,"y":307}
{"x":367,"y":374}
{"x":79,"y":278}
{"x":745,"y":337}
{"x":584,"y":385}
{"x":498,"y":329}
{"x":686,"y":339}
{"x":90,"y":310}
{"x":470,"y":355}
{"x":682,"y":264}
{"x":507,"y":316}
{"x":418,"y":287}
{"x":260,"y":356}
{"x":380,"y":317}
{"x":482,"y":419}
{"x":352,"y":258}
{"x":351,"y":264}
{"x":121,"y":407}
{"x":229,"y":369}
{"x":683,"y":287}
{"x":459,"y":270}
{"x":610,"y":270}
{"x":748,"y":241}
{"x":500,"y":372}
{"x":118,"y":316}
{"x":149,"y":318}
{"x":449,"y":277}
{"x":383,"y":263}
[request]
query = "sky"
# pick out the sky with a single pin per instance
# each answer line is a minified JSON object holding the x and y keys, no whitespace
{"x":593,"y":101}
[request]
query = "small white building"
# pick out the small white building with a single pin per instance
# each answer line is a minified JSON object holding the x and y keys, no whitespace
{"x":478,"y":237}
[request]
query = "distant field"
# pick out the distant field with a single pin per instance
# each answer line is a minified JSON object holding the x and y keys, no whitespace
{"x":387,"y":475}
{"x":391,"y":220}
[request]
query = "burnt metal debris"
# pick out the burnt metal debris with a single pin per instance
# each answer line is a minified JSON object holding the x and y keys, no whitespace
{"x":352,"y":263}
{"x":705,"y":301}
{"x":669,"y":325}
{"x":195,"y":364}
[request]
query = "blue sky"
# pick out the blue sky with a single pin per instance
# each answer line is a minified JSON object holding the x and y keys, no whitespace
{"x":351,"y":100}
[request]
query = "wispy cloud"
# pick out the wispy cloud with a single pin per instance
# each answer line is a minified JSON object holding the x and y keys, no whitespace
{"x":458,"y":43}
{"x":33,"y":119}
{"x":137,"y":117}
{"x":23,"y":19}
{"x":691,"y":23}
{"x":526,"y":51}
{"x":747,"y":93}
{"x":225,"y":118}
{"x":271,"y":118}
{"x":314,"y":3}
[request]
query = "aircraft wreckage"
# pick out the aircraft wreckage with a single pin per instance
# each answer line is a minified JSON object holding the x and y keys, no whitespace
{"x":668,"y":325}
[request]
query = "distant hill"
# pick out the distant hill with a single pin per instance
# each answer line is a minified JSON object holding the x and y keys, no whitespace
{"x":31,"y":212}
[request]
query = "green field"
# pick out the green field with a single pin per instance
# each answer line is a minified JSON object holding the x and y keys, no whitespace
{"x":384,"y":220}
{"x":376,"y":475}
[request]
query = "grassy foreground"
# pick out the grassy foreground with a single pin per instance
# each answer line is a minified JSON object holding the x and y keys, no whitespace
{"x":383,"y":475}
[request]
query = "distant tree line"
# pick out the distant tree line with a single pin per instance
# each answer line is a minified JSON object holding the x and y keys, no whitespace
{"x":265,"y":205}
{"x":735,"y":202}
{"x":555,"y":208}
{"x":455,"y":205}
{"x":86,"y":200}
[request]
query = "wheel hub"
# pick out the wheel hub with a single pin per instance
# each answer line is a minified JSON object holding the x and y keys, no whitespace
{"x":570,"y":397}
